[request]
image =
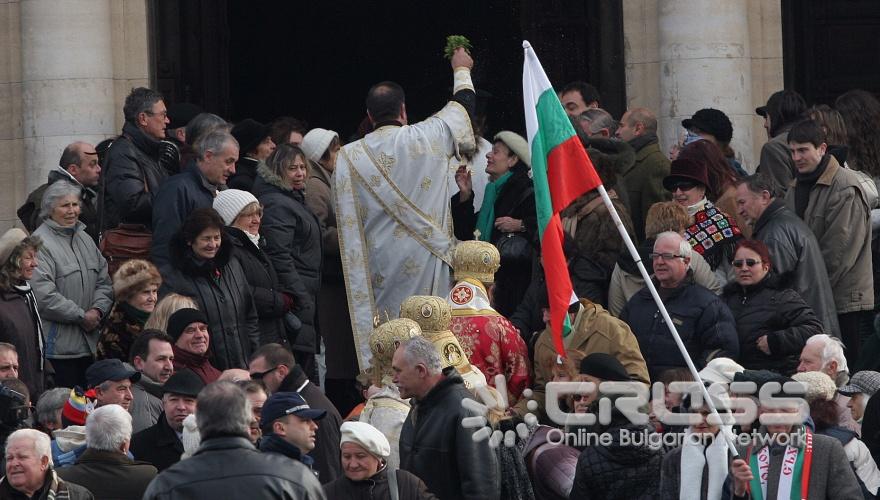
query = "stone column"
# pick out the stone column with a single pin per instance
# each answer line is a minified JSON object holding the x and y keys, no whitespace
{"x":705,"y":62}
{"x":67,"y":79}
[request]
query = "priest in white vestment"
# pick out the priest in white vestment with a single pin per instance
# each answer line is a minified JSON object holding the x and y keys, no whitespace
{"x":392,"y":195}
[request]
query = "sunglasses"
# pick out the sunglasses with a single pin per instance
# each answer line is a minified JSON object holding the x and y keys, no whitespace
{"x":260,"y":375}
{"x":746,"y":262}
{"x":683,"y":185}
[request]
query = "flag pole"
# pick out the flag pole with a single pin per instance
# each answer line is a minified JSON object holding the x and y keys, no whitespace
{"x":666,"y":318}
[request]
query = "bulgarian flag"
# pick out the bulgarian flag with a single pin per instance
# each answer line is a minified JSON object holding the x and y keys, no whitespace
{"x":561,"y":171}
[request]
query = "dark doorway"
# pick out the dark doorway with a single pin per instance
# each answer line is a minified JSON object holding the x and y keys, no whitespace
{"x":831,"y":46}
{"x":317,"y":60}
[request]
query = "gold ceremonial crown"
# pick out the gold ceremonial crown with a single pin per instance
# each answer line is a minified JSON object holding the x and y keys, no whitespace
{"x":431,"y":313}
{"x":435,"y":317}
{"x":476,"y":259}
{"x":386,"y":338}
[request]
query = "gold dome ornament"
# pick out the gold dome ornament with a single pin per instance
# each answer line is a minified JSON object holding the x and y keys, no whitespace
{"x":435,"y":318}
{"x":478,"y":260}
{"x":384,"y":340}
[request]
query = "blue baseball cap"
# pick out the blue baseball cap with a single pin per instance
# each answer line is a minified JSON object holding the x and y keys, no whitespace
{"x":282,"y":404}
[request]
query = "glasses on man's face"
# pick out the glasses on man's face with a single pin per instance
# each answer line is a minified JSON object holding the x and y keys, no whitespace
{"x":163,"y":114}
{"x":745,"y":262}
{"x":683,"y":185}
{"x":664,"y":256}
{"x":260,"y":375}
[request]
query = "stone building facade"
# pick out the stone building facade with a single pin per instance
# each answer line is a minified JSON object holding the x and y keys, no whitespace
{"x":66,"y":67}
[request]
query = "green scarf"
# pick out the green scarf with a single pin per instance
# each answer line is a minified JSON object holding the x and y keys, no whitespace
{"x":486,"y":218}
{"x":134,"y":313}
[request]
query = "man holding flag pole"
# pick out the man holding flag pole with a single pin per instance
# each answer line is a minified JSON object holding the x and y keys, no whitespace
{"x":562,"y":171}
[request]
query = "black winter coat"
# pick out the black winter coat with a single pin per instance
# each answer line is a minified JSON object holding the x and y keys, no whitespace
{"x":245,"y":173}
{"x":109,"y":474}
{"x":264,"y":285}
{"x":438,"y":449}
{"x":293,"y":244}
{"x":176,"y":199}
{"x":132,"y":162}
{"x":326,"y":453}
{"x":230,"y":467}
{"x":588,"y":279}
{"x":620,"y":470}
{"x":20,"y":326}
{"x":703,"y":321}
{"x":221,"y":290}
{"x":516,"y":200}
{"x":780,"y":313}
{"x":798,"y":260}
{"x":158,"y":445}
{"x":409,"y":487}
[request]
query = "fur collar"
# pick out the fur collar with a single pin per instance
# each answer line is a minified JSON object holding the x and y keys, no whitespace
{"x":269,"y":177}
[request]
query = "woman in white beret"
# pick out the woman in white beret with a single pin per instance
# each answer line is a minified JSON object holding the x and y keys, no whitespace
{"x":364,"y":453}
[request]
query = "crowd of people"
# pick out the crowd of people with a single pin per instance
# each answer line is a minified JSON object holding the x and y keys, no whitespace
{"x":201,"y":309}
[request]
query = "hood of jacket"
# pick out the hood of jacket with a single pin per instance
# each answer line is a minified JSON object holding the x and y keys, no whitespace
{"x":70,"y":437}
{"x":183,"y":258}
{"x":611,"y":155}
{"x":65,"y":231}
{"x":267,"y":182}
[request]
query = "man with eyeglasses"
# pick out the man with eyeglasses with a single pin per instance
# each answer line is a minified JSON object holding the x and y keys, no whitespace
{"x":275,"y":367}
{"x":703,"y":321}
{"x":195,"y":187}
{"x":132,"y":174}
{"x":797,"y":257}
{"x":644,"y":178}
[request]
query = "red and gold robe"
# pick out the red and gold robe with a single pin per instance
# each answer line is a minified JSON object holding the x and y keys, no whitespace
{"x":490,"y":341}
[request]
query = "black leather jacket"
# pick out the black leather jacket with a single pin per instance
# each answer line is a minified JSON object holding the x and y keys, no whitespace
{"x":230,"y":467}
{"x":438,"y":449}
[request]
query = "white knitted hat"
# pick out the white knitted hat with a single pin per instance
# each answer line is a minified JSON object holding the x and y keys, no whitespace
{"x":230,"y":202}
{"x":316,"y":142}
{"x":190,"y":438}
{"x":720,"y":370}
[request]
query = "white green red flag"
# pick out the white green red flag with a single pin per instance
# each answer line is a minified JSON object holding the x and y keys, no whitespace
{"x":561,"y":171}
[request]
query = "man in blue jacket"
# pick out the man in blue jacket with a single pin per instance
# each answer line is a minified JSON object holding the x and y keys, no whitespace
{"x":703,"y":321}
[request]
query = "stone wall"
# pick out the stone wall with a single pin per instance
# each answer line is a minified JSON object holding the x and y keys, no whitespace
{"x":65,"y":69}
{"x":682,"y":56}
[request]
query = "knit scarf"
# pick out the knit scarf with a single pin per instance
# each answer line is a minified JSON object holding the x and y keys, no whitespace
{"x":711,"y":227}
{"x":134,"y":313}
{"x":694,"y":457}
{"x":794,"y":474}
{"x":486,"y":218}
{"x":31,"y":300}
{"x":255,"y":238}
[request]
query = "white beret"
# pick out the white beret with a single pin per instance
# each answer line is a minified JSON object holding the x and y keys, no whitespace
{"x":367,"y":437}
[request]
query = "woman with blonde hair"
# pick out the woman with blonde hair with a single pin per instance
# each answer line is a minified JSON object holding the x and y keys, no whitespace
{"x":626,"y":279}
{"x":169,"y":305}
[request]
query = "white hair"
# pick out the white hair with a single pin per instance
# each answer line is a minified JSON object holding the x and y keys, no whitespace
{"x":41,"y":441}
{"x":684,"y":248}
{"x":832,"y":350}
{"x":108,"y":427}
{"x":421,"y":350}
